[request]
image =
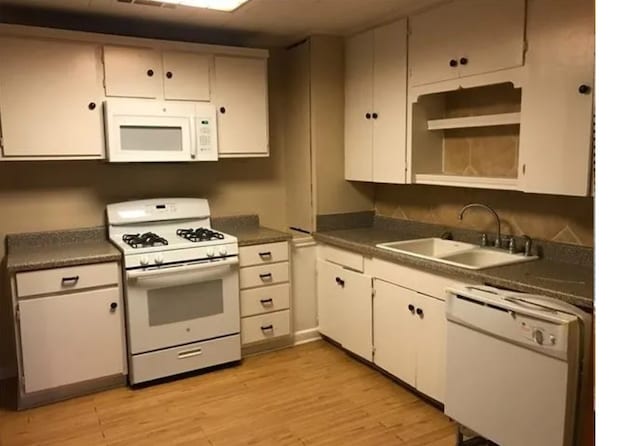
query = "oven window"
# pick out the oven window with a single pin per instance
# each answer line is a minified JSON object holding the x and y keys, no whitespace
{"x":184,"y":302}
{"x":136,"y":138}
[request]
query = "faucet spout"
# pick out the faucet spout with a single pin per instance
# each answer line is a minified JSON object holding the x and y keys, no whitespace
{"x":497,"y":242}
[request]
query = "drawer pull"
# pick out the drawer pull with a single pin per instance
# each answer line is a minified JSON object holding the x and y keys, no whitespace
{"x":266,"y":301}
{"x":265,"y":255}
{"x":266,"y":276}
{"x":267,"y":327}
{"x":70,"y":281}
{"x":340,"y":282}
{"x":190,"y":353}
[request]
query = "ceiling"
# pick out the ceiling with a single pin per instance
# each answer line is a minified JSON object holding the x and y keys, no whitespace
{"x":267,"y":22}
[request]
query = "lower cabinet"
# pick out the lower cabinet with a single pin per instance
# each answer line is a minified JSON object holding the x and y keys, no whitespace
{"x":71,"y":338}
{"x":409,"y":334}
{"x":344,"y":307}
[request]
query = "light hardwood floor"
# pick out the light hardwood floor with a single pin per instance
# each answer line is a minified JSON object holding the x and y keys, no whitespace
{"x":313,"y":394}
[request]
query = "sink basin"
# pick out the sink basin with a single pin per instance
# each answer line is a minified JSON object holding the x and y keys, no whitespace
{"x":427,"y":247}
{"x":451,"y":252}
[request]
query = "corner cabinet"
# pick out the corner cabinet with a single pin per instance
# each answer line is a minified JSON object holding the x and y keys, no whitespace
{"x":242,"y":100}
{"x":375,"y":104}
{"x":557,"y":100}
{"x":50,"y":99}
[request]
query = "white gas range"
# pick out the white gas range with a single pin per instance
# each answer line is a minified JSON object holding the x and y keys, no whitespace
{"x":181,"y":286}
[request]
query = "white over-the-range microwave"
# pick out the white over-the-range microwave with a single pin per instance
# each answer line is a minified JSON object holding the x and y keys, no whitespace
{"x":145,"y":130}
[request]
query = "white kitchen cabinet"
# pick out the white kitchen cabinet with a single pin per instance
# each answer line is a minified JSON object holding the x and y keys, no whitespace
{"x":375,"y":104}
{"x":186,"y":75}
{"x":50,"y":99}
{"x":241,"y":98}
{"x":71,"y":338}
{"x":462,"y":38}
{"x":557,"y":100}
{"x":409,"y":335}
{"x":344,"y":307}
{"x":132,"y":72}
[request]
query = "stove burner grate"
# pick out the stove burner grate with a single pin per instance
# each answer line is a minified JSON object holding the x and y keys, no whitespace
{"x":199,"y":235}
{"x":144,"y":240}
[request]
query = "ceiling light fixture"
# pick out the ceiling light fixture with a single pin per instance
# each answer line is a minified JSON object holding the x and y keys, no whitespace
{"x":218,"y":5}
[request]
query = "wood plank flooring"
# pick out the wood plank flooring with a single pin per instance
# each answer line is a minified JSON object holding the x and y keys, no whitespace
{"x":313,"y":394}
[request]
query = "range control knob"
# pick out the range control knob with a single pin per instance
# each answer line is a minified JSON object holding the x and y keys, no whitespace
{"x":158,"y":260}
{"x":552,"y":339}
{"x":211,"y":252}
{"x":223,"y":251}
{"x":144,"y":261}
{"x":538,"y":336}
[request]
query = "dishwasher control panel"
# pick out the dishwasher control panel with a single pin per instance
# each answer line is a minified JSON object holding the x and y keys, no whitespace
{"x":537,"y":332}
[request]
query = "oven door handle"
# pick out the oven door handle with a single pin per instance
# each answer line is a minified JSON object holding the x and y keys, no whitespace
{"x":162,"y":273}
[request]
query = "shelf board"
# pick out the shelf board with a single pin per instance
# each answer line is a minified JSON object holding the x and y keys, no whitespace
{"x":474,"y":121}
{"x":467,"y":181}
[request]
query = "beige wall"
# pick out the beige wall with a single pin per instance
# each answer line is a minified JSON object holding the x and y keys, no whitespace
{"x":546,"y":217}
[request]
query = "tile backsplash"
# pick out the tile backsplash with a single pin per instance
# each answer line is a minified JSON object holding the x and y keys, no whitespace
{"x":546,"y":217}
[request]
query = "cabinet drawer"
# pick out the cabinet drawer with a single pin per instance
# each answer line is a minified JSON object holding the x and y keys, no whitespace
{"x":264,"y":300}
{"x":65,"y":279}
{"x":342,"y":257}
{"x":262,"y":254}
{"x":254,"y":276}
{"x":265,"y":326}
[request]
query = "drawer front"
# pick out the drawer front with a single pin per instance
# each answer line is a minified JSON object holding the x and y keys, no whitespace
{"x":264,"y":300}
{"x":342,"y":257}
{"x":265,"y":327}
{"x":262,"y":254}
{"x":254,"y":276}
{"x":148,"y":366}
{"x":67,"y":279}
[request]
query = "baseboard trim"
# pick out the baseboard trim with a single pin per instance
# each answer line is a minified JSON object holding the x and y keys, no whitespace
{"x":304,"y":336}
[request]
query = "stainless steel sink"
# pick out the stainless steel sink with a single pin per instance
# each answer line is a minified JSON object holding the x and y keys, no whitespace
{"x":464,"y":255}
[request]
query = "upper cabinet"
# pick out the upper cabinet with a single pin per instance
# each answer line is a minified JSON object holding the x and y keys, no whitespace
{"x":557,"y":101}
{"x":50,"y":99}
{"x":148,"y":73}
{"x":240,"y":94}
{"x":461,"y":38}
{"x":375,"y":104}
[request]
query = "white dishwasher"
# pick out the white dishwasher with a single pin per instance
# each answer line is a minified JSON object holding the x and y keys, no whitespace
{"x":513,"y":365}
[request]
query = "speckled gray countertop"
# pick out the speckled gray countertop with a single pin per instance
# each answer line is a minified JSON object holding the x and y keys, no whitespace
{"x":248,"y":230}
{"x":55,"y":249}
{"x":570,"y":282}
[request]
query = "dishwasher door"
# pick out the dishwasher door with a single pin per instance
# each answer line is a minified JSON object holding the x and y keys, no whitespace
{"x":506,"y":381}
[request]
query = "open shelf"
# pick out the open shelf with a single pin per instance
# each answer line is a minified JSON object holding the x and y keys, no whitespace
{"x":474,"y":121}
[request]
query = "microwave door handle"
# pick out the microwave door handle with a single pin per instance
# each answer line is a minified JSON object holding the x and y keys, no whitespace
{"x":194,"y":139}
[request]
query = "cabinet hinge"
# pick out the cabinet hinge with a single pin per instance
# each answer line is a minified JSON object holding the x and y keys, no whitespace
{"x":524,"y":169}
{"x":17,"y":313}
{"x":1,"y":143}
{"x":373,"y":351}
{"x":373,"y":292}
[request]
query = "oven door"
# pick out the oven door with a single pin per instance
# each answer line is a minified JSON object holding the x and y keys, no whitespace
{"x":178,"y":305}
{"x":149,"y":131}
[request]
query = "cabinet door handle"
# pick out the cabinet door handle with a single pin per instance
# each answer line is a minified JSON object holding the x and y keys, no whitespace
{"x":374,"y":115}
{"x":70,"y":281}
{"x":453,"y":63}
{"x":149,"y":73}
{"x":420,"y":312}
{"x":584,"y":89}
{"x":266,"y":301}
{"x":266,"y":276}
{"x":113,"y":307}
{"x":267,"y":327}
{"x":367,"y":115}
{"x":464,"y":61}
{"x":265,"y":255}
{"x":412,"y":308}
{"x":340,"y":282}
{"x":223,"y":110}
{"x":169,"y":74}
{"x":92,"y":105}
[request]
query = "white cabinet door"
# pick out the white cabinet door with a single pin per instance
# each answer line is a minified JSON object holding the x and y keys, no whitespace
{"x":50,"y":98}
{"x":358,"y":135}
{"x":463,"y":38}
{"x":431,"y":347}
{"x":394,"y":330}
{"x":330,"y":313}
{"x":186,"y":76}
{"x":71,"y":338}
{"x":390,"y":103}
{"x":491,"y":35}
{"x":241,"y":97}
{"x":355,"y":305}
{"x":556,"y":126}
{"x":132,"y":72}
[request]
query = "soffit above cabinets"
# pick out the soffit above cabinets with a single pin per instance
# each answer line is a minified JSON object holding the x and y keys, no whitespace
{"x":266,"y":22}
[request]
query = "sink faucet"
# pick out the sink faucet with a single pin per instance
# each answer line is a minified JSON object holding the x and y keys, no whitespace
{"x":497,"y":243}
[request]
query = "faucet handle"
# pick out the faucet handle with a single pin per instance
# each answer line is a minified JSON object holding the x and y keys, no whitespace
{"x":446,"y":235}
{"x":483,"y":239}
{"x":527,"y":245}
{"x":512,"y":244}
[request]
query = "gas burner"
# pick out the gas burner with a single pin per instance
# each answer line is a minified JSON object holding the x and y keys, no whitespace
{"x":199,"y":235}
{"x":144,"y":240}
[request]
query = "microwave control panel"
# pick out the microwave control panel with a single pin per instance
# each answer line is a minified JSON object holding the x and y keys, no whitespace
{"x":206,"y":139}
